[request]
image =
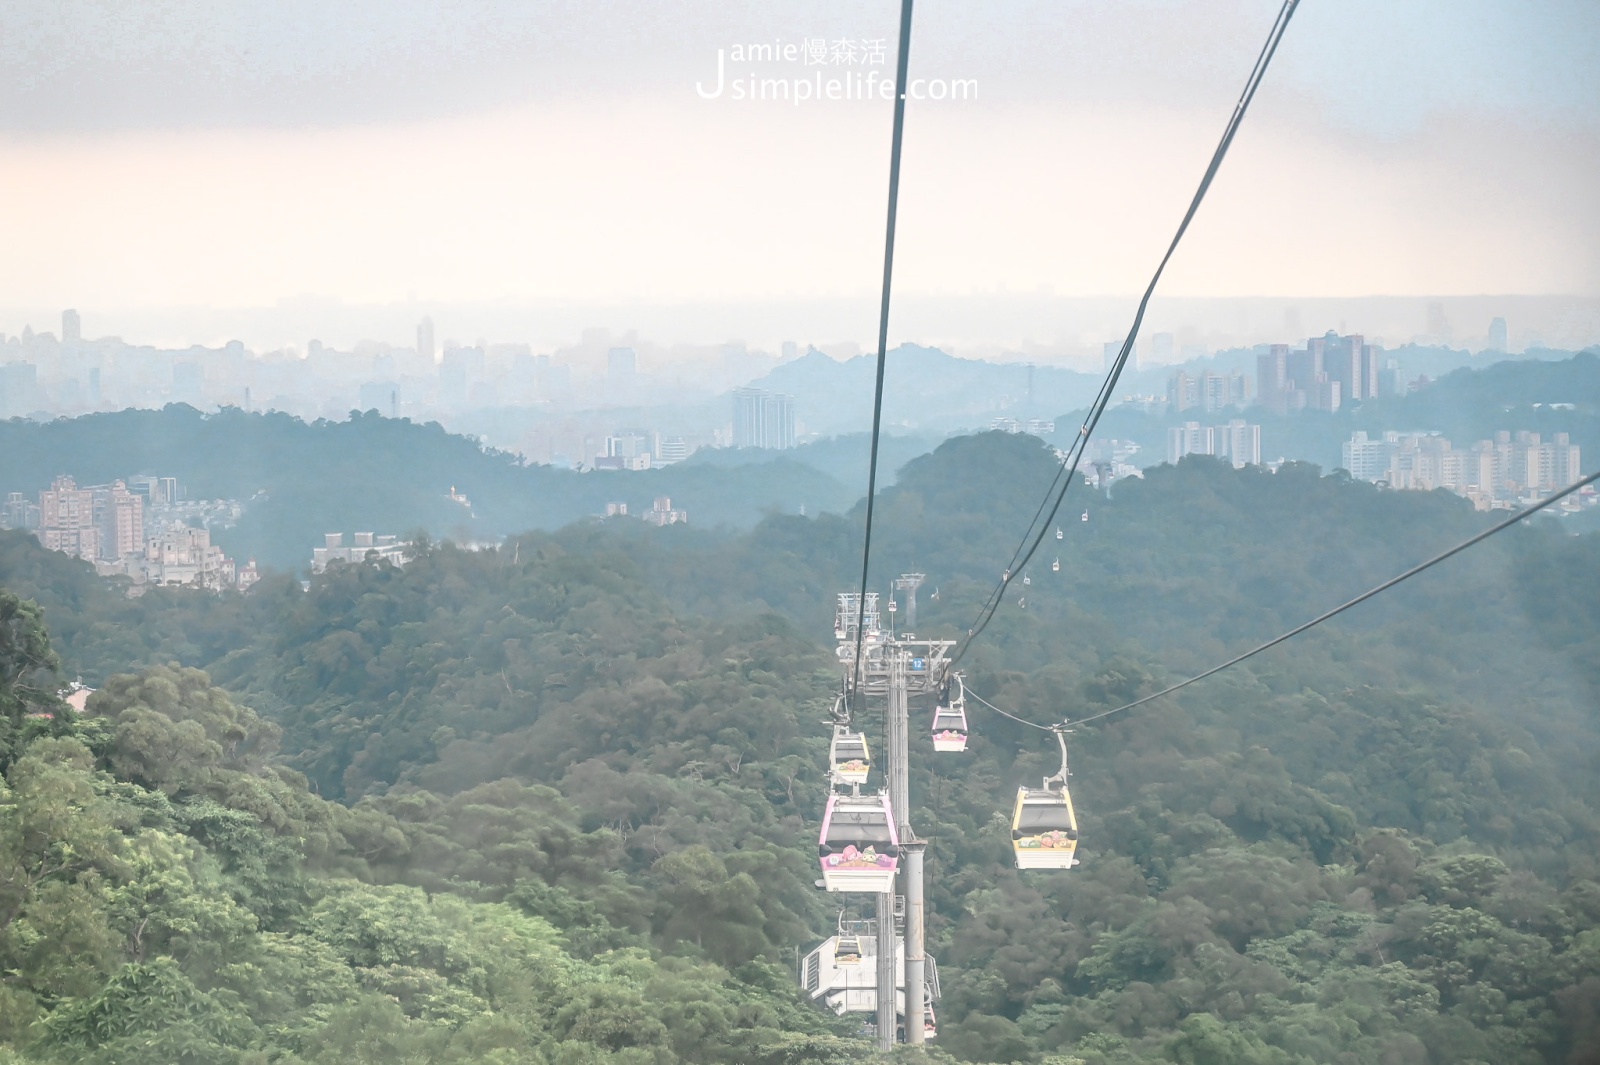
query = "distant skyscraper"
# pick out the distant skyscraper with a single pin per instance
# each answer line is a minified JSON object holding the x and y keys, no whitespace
{"x":425,"y":348}
{"x":1346,"y":360}
{"x":1112,"y":348}
{"x":1499,"y":335}
{"x":1272,"y":378}
{"x":71,"y":327}
{"x":1183,"y":392}
{"x":1162,"y":348}
{"x":1438,"y":324}
{"x":621,"y":363}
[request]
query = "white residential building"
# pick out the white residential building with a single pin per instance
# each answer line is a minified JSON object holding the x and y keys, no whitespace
{"x":365,"y":544}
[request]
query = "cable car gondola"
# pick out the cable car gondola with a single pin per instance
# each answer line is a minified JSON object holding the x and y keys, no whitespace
{"x":847,"y":951}
{"x":859,"y":847}
{"x":1044,"y":827}
{"x":950,"y":717}
{"x":848,"y":757}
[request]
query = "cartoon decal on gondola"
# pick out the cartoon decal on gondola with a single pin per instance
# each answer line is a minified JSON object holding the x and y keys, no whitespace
{"x":859,"y":849}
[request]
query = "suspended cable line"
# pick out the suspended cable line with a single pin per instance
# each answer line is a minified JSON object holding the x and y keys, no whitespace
{"x":1069,"y":463}
{"x":902,"y":64}
{"x":1500,"y":526}
{"x":1014,"y":717}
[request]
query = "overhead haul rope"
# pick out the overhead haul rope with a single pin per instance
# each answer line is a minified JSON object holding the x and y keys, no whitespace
{"x":1319,"y":619}
{"x":883,"y":315}
{"x":1067,"y":472}
{"x":1014,"y":717}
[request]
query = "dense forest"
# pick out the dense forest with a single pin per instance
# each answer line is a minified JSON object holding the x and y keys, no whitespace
{"x":300,"y":480}
{"x":556,"y":802}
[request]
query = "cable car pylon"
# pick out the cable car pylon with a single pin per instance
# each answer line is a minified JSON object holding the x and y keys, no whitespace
{"x":876,"y":662}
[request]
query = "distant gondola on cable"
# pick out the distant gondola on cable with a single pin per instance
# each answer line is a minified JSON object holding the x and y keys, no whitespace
{"x":859,"y":847}
{"x":848,"y":757}
{"x":1044,"y":827}
{"x":950,"y":717}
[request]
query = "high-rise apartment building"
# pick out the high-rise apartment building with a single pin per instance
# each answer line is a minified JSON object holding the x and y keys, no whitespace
{"x":1330,"y":372}
{"x":762,"y":419}
{"x":1183,"y":392}
{"x":1511,"y":468}
{"x":1191,"y":438}
{"x":1239,"y":442}
{"x":1210,"y":392}
{"x":71,"y":327}
{"x":120,"y":515}
{"x":66,"y":520}
{"x":1272,"y":378}
{"x":19,"y":512}
{"x":1366,"y":459}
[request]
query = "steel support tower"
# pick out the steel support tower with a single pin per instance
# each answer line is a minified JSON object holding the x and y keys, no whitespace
{"x":909,"y":583}
{"x":895,"y":669}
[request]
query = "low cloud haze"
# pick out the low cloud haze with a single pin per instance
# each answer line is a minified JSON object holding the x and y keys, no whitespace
{"x":535,"y":156}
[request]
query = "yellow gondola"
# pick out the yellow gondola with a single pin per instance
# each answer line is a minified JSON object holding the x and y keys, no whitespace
{"x":1044,"y":827}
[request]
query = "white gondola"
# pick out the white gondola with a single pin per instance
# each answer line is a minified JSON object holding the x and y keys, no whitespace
{"x":1059,"y":534}
{"x":1044,"y":827}
{"x":848,"y":756}
{"x":858,"y":848}
{"x":1055,"y":567}
{"x":950,"y":717}
{"x":847,"y":950}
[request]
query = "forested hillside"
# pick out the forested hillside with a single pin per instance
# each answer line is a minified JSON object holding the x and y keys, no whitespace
{"x":557,"y":802}
{"x":301,"y":480}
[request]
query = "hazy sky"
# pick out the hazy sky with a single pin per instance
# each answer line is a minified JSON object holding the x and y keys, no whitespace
{"x":190,"y":153}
